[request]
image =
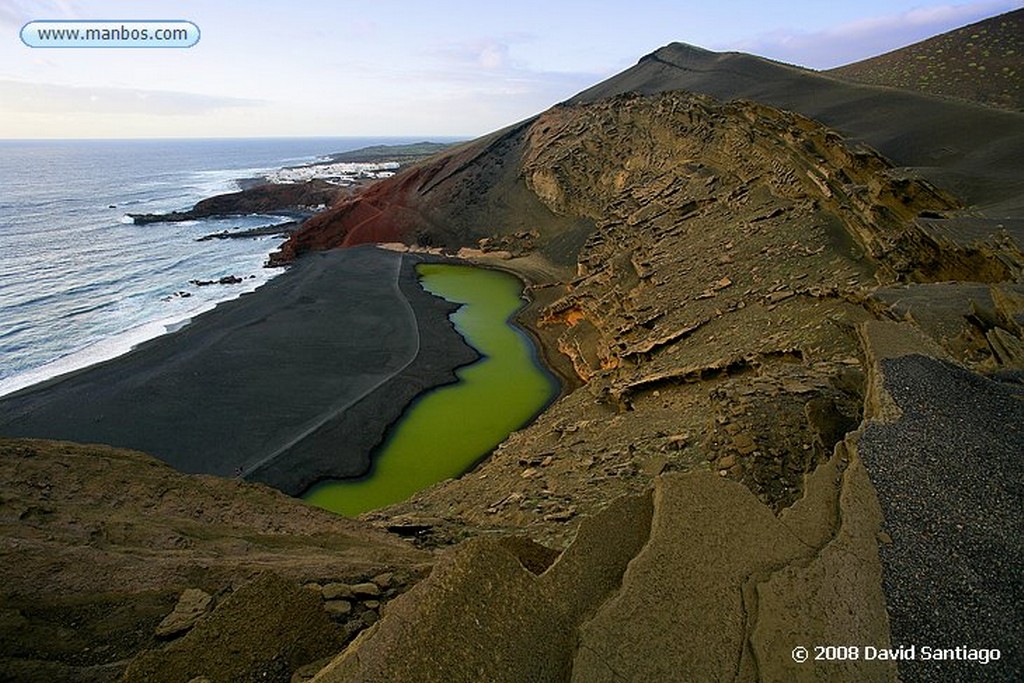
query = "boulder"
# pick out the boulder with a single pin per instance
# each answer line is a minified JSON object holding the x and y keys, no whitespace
{"x":192,"y":605}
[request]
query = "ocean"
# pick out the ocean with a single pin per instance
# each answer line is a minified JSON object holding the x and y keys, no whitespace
{"x":80,"y":283}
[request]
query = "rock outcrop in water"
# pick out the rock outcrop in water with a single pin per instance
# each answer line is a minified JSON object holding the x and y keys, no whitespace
{"x":294,"y":198}
{"x":756,"y":311}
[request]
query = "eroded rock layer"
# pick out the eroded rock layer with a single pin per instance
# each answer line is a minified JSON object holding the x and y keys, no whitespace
{"x":711,"y":315}
{"x":712,"y":323}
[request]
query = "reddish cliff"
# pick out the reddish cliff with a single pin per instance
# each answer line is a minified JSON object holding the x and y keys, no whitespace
{"x":454,"y":199}
{"x":384,"y":212}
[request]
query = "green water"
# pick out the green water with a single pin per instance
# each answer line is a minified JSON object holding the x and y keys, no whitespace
{"x":445,"y":431}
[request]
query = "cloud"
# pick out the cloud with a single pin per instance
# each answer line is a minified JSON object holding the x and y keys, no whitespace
{"x":17,"y":13}
{"x":463,"y":87}
{"x":21,"y":97}
{"x":488,"y":67}
{"x":492,"y":54}
{"x":868,"y":37}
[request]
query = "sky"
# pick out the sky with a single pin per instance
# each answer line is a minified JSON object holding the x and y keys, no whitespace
{"x":403,"y":67}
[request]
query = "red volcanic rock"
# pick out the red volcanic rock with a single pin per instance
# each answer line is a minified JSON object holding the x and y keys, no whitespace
{"x":384,"y":212}
{"x":452,"y":199}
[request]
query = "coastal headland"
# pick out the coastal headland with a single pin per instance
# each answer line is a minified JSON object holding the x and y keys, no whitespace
{"x":793,"y":306}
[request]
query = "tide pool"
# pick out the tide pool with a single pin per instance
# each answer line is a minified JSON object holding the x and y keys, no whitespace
{"x":446,"y":430}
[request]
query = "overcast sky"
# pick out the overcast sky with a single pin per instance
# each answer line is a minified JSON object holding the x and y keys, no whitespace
{"x":403,"y":67}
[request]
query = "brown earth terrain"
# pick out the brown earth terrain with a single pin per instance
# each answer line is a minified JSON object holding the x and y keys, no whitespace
{"x":790,"y":310}
{"x":99,"y":544}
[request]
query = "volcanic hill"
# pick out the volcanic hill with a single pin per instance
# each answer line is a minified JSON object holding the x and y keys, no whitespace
{"x":980,"y":62}
{"x":790,"y":313}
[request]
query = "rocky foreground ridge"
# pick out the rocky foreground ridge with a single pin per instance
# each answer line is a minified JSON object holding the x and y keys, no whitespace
{"x":760,"y":316}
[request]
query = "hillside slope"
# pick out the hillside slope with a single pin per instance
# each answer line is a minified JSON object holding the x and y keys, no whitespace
{"x":453,"y":199}
{"x":982,"y":62}
{"x":476,"y":191}
{"x":970,"y":151}
{"x":98,"y":544}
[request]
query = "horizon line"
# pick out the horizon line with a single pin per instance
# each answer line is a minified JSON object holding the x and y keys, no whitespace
{"x":420,"y":138}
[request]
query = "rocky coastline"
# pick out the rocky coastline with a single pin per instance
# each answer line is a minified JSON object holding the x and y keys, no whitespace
{"x":276,"y":230}
{"x":292,"y":199}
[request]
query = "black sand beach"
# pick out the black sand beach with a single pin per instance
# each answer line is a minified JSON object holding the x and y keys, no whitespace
{"x":289,"y":385}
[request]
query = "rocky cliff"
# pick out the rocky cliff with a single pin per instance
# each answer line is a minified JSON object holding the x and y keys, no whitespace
{"x":450,"y":200}
{"x":747,"y":270}
{"x":712,"y":312}
{"x":293,"y":198}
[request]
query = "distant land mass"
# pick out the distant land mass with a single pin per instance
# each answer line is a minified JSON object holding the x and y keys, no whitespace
{"x":789,"y":310}
{"x":295,"y":199}
{"x":399,"y":153}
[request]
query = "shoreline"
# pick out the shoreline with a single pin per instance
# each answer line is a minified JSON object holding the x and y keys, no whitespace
{"x":261,"y":194}
{"x":526,"y":319}
{"x":120,"y":345}
{"x":445,"y":431}
{"x":250,"y":375}
{"x":361,"y":428}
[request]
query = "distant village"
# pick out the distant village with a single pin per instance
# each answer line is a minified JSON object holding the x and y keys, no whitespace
{"x":336,"y":173}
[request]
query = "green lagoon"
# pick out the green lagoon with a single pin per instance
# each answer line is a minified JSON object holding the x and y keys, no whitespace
{"x":447,"y":430}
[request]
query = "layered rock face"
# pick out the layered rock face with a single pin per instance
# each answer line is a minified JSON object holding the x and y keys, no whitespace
{"x":711,"y":317}
{"x":747,"y":270}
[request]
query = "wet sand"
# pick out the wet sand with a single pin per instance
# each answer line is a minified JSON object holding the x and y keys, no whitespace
{"x":294,"y":383}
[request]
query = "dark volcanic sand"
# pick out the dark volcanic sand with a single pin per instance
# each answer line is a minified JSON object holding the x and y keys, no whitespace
{"x":948,"y":475}
{"x":293,"y":383}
